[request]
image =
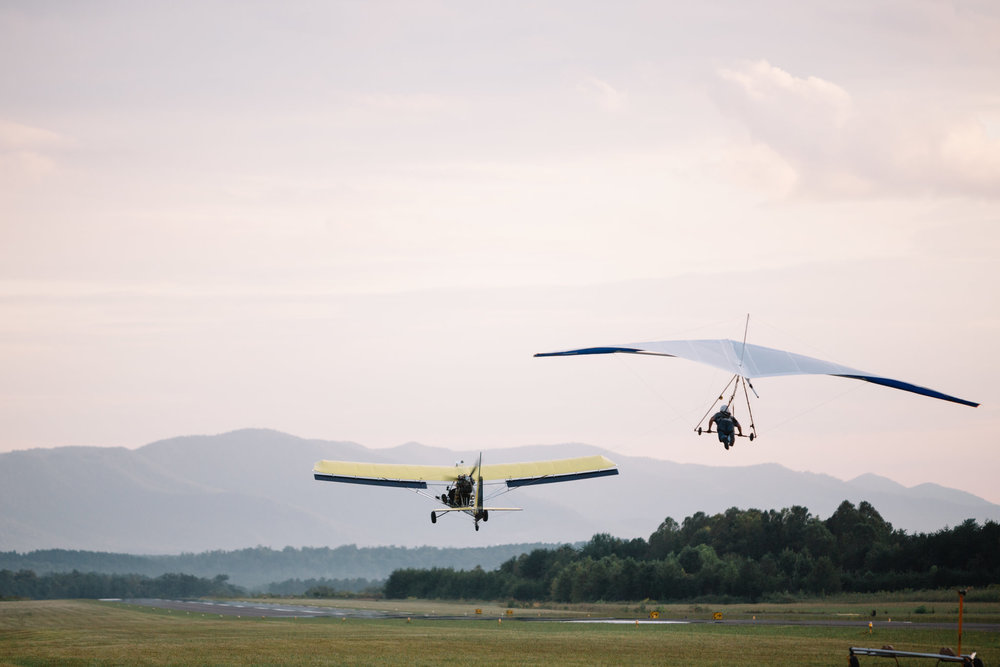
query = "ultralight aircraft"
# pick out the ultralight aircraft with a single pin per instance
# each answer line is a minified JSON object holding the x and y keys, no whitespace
{"x":464,"y":485}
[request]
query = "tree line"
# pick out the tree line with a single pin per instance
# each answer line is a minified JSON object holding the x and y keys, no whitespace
{"x":731,"y":556}
{"x":261,"y":569}
{"x":325,"y":588}
{"x":26,"y":584}
{"x":737,"y":555}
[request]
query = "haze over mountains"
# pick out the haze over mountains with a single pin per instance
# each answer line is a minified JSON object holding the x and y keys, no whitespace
{"x":255,"y":487}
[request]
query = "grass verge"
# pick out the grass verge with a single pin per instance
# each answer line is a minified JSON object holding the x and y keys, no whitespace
{"x":76,"y":632}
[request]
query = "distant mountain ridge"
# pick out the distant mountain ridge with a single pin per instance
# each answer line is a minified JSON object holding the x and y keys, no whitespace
{"x":254,"y":487}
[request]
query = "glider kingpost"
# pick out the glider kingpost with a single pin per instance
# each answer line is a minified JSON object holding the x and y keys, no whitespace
{"x":463,"y":486}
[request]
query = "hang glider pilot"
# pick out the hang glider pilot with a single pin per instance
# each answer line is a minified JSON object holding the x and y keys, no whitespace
{"x":725,"y":422}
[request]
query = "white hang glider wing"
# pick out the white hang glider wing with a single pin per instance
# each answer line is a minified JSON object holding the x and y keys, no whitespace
{"x":753,"y":361}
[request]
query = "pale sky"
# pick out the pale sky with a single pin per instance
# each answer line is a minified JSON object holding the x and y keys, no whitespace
{"x":358,"y":221}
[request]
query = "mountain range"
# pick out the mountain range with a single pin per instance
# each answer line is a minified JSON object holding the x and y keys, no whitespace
{"x":255,"y":487}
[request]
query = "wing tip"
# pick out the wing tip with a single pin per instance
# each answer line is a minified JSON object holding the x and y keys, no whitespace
{"x":589,"y":350}
{"x":906,"y":386}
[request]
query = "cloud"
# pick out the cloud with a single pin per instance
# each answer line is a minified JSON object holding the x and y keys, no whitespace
{"x":972,"y":154}
{"x":25,"y":153}
{"x":771,"y":88}
{"x":603,"y":94}
{"x":840,"y":145}
{"x":16,"y":136}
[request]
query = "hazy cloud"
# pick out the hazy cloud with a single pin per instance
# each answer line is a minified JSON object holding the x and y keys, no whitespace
{"x":25,"y":153}
{"x":771,"y":89}
{"x":838,"y":145}
{"x":603,"y":93}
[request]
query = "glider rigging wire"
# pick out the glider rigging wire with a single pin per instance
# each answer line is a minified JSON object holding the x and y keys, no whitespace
{"x":748,"y":361}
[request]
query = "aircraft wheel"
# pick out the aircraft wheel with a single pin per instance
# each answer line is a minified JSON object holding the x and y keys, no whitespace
{"x":434,"y":517}
{"x":486,"y":515}
{"x":699,"y":430}
{"x":477,"y":527}
{"x":751,"y":437}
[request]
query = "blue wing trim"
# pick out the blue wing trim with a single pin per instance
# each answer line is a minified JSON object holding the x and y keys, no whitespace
{"x":906,"y":386}
{"x":590,"y":350}
{"x":549,"y":479}
{"x":404,"y":483}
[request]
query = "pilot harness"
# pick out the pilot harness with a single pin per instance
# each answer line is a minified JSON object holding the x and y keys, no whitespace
{"x":736,"y":383}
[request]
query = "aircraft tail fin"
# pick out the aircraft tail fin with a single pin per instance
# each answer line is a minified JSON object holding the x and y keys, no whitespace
{"x":478,"y":472}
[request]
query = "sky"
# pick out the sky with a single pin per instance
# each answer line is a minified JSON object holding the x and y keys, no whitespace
{"x":359,"y":221}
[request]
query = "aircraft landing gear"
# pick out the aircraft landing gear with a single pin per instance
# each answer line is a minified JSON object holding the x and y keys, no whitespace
{"x":434,"y":517}
{"x":486,"y":515}
{"x":477,"y":527}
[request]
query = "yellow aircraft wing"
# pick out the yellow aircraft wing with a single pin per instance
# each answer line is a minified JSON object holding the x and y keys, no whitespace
{"x":546,"y":472}
{"x":417,"y":476}
{"x":386,"y":474}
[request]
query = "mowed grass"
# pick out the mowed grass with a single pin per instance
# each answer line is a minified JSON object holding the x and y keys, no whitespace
{"x":71,"y":632}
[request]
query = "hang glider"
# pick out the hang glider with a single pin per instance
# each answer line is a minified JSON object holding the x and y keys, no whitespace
{"x":464,"y":485}
{"x":747,"y":362}
{"x":753,"y":361}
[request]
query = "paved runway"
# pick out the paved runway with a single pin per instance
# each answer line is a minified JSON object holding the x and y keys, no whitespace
{"x":281,"y":610}
{"x":265,"y":609}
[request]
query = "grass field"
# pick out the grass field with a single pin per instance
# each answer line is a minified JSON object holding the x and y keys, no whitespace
{"x":72,"y":632}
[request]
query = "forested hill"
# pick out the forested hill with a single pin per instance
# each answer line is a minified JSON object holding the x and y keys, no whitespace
{"x":256,"y":568}
{"x":738,"y":555}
